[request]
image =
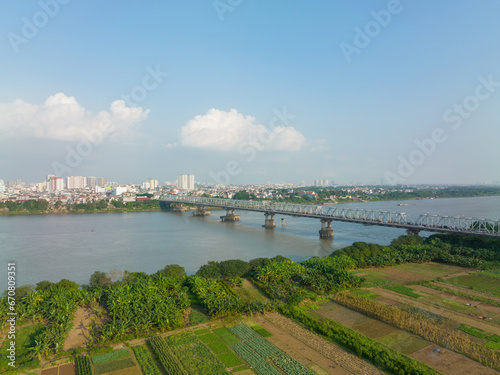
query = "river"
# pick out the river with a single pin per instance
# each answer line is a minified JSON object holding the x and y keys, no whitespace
{"x":52,"y":247}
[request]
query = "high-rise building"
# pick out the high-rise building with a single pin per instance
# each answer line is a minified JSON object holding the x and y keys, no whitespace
{"x":91,"y":182}
{"x":102,"y":181}
{"x":185,"y":181}
{"x":76,"y":182}
{"x":153,"y":183}
{"x":56,"y":183}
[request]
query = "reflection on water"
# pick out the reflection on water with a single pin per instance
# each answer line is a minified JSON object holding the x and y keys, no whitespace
{"x":52,"y":247}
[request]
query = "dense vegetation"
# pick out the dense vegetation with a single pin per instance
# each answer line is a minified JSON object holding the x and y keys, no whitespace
{"x":129,"y":305}
{"x":142,"y":304}
{"x":42,"y":206}
{"x":465,"y":251}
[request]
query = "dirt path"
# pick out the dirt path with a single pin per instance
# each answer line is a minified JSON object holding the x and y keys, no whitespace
{"x":460,"y":318}
{"x":78,"y":335}
{"x":299,"y":341}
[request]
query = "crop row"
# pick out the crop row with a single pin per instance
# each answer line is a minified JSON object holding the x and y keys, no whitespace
{"x":244,"y":332}
{"x":445,"y":336}
{"x":263,"y":347}
{"x":198,"y":359}
{"x":260,"y":366}
{"x":109,"y":357}
{"x":114,"y":366}
{"x":83,"y":366}
{"x":227,"y":336}
{"x":290,"y":366}
{"x":183,"y":338}
{"x":168,"y":361}
{"x":145,"y":360}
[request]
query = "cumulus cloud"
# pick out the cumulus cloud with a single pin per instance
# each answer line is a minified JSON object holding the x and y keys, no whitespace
{"x":61,"y":117}
{"x":221,"y":130}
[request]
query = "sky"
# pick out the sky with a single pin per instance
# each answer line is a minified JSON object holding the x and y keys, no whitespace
{"x":242,"y":92}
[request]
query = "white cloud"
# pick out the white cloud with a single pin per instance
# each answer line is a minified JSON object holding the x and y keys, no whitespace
{"x":221,"y":130}
{"x":61,"y":117}
{"x":320,"y":144}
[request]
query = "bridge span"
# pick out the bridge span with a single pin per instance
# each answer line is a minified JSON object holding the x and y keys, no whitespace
{"x":329,"y":213}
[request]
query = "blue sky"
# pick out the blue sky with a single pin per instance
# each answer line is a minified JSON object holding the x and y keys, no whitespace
{"x":234,"y":68}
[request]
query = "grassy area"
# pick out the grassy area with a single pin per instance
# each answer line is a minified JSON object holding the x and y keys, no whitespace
{"x":487,"y":285}
{"x":403,"y":342}
{"x":428,"y":269}
{"x":363,"y":293}
{"x":476,"y":332}
{"x":404,"y":290}
{"x":25,"y":339}
{"x":374,"y":277}
{"x":249,"y":293}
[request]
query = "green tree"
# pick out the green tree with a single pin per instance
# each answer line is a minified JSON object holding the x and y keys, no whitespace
{"x":99,"y":279}
{"x":45,"y":284}
{"x":244,"y":195}
{"x":233,"y":268}
{"x":173,"y":271}
{"x":210,"y":270}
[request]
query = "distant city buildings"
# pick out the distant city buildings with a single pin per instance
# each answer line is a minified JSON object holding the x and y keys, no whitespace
{"x":55,"y":183}
{"x":102,"y":181}
{"x":321,"y":183}
{"x":185,"y":181}
{"x":91,"y":182}
{"x":153,"y":183}
{"x":76,"y":182}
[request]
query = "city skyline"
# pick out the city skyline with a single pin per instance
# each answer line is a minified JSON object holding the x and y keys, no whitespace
{"x":392,"y":91}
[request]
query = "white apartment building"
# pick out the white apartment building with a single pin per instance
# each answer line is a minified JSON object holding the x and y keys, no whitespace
{"x":76,"y":182}
{"x":185,"y":181}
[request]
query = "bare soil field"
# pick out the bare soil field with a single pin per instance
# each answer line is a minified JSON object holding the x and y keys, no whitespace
{"x":343,"y":362}
{"x":78,"y":335}
{"x":451,"y":363}
{"x":297,"y":349}
{"x":355,"y":320}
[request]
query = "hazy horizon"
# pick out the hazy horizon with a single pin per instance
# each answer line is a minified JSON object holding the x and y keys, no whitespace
{"x":250,"y":92}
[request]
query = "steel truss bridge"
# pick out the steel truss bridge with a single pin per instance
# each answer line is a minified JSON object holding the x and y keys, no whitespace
{"x":328,"y":213}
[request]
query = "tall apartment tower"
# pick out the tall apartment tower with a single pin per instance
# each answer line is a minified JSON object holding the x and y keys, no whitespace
{"x":91,"y":182}
{"x":102,"y":181}
{"x":76,"y":182}
{"x":153,"y":183}
{"x":185,"y":181}
{"x":56,"y":183}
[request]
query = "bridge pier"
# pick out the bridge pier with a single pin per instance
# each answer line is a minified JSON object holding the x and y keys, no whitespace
{"x":230,"y":216}
{"x":413,"y":231}
{"x":201,"y":211}
{"x":326,"y":231}
{"x":179,"y":208}
{"x":269,"y":222}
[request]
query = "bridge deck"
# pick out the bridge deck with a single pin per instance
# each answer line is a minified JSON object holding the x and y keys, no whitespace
{"x":425,"y":222}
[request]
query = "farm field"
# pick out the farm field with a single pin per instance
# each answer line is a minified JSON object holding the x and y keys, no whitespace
{"x":400,"y":340}
{"x":446,"y":305}
{"x":482,"y":284}
{"x":409,"y":272}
